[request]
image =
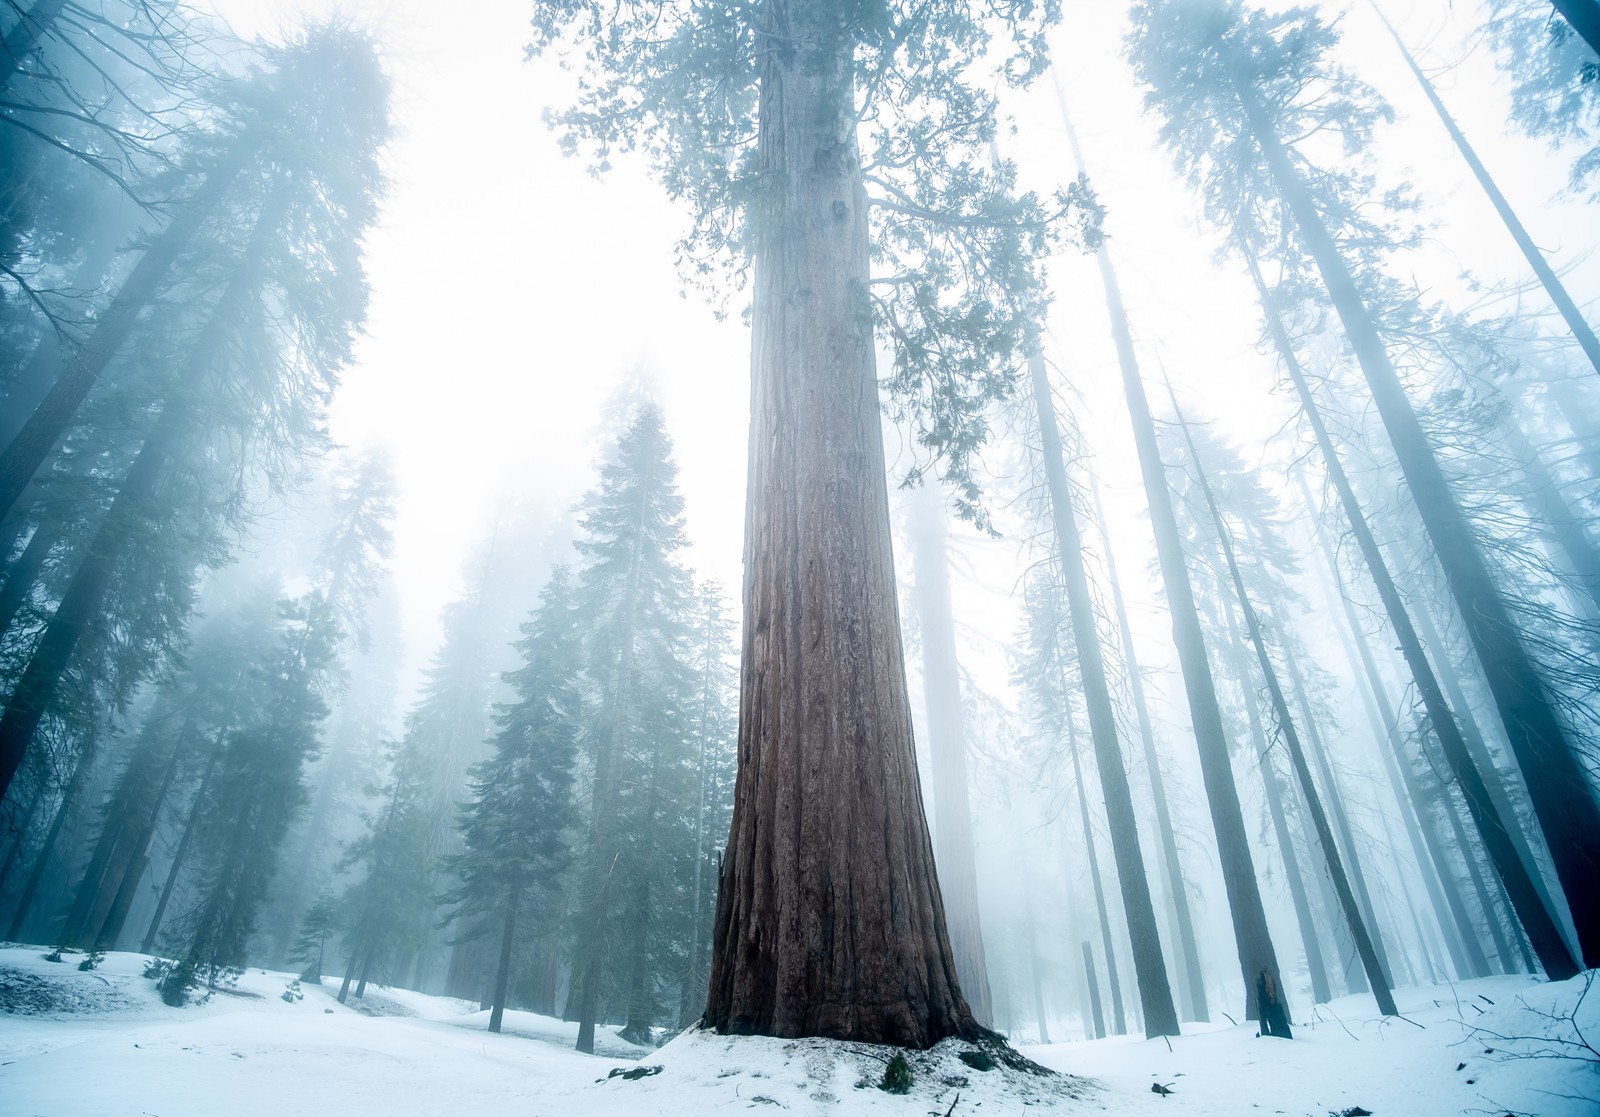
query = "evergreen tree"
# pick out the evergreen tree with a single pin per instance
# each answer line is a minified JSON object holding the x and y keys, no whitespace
{"x":246,"y":808}
{"x":385,"y":911}
{"x":823,"y":142}
{"x":635,"y":598}
{"x":519,"y":821}
{"x":1234,"y":84}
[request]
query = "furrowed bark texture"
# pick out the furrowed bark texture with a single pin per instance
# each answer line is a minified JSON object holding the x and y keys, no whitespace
{"x":941,"y":684}
{"x":829,"y":919}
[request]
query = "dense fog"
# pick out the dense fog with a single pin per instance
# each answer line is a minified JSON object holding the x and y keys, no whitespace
{"x":885,"y":523}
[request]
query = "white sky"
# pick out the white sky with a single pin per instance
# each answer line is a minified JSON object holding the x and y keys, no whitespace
{"x":511,"y":291}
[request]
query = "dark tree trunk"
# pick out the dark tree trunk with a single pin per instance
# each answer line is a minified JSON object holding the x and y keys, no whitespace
{"x":1495,"y":829}
{"x":1469,"y":857}
{"x":68,"y":804}
{"x":1557,"y":785}
{"x":1252,"y":938}
{"x":1155,"y":993}
{"x":20,"y":834}
{"x":1316,"y":963}
{"x":502,"y":973}
{"x":50,"y":420}
{"x":1541,"y":267}
{"x":1119,"y":1025}
{"x":829,"y":919}
{"x":1335,"y":804}
{"x":1478,"y":749}
{"x":941,"y":685}
{"x":31,"y":697}
{"x":23,"y":574}
{"x":1431,"y":862}
{"x":23,"y":38}
{"x":1584,"y":15}
{"x":181,"y":854}
{"x":1297,"y":757}
{"x":1192,"y":985}
{"x":1092,"y":983}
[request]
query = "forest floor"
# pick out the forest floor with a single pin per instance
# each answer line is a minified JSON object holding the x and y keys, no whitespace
{"x":84,"y":1044}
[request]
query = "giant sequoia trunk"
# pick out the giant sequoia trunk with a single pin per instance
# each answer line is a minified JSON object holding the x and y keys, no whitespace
{"x":1155,"y":992}
{"x":829,"y":920}
{"x":1500,"y":639}
{"x":947,"y":743}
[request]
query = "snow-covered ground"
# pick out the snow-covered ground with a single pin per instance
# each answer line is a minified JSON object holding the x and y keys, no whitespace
{"x":76,"y":1044}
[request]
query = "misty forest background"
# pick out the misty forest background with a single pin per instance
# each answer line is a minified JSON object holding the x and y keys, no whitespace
{"x":1331,"y":644}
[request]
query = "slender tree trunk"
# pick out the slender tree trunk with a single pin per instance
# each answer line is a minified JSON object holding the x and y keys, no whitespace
{"x":1469,"y":857}
{"x":31,"y":697}
{"x":502,"y":974}
{"x":181,"y":854}
{"x":1557,"y":785}
{"x":1034,"y":968}
{"x":1155,"y":993}
{"x":1541,"y":267}
{"x":1297,"y":758}
{"x":941,"y":684}
{"x":20,"y":832}
{"x":349,"y":973}
{"x":122,"y":903}
{"x":1252,"y":937}
{"x":829,"y":918}
{"x":1092,"y":981}
{"x":23,"y":38}
{"x":23,"y":574}
{"x":1335,"y":804}
{"x":1119,"y":1024}
{"x":1192,"y":985}
{"x":1584,"y":15}
{"x":50,"y":420}
{"x":1316,"y":964}
{"x":1496,"y":830}
{"x":68,"y":804}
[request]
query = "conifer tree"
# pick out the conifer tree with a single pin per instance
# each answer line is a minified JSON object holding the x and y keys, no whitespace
{"x":1234,"y":86}
{"x":520,"y":818}
{"x":842,"y":154}
{"x":635,"y":599}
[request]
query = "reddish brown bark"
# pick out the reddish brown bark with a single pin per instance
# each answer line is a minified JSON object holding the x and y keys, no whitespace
{"x":829,"y":920}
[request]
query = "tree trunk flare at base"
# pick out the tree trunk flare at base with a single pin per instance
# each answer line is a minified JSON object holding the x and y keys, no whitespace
{"x":829,"y":920}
